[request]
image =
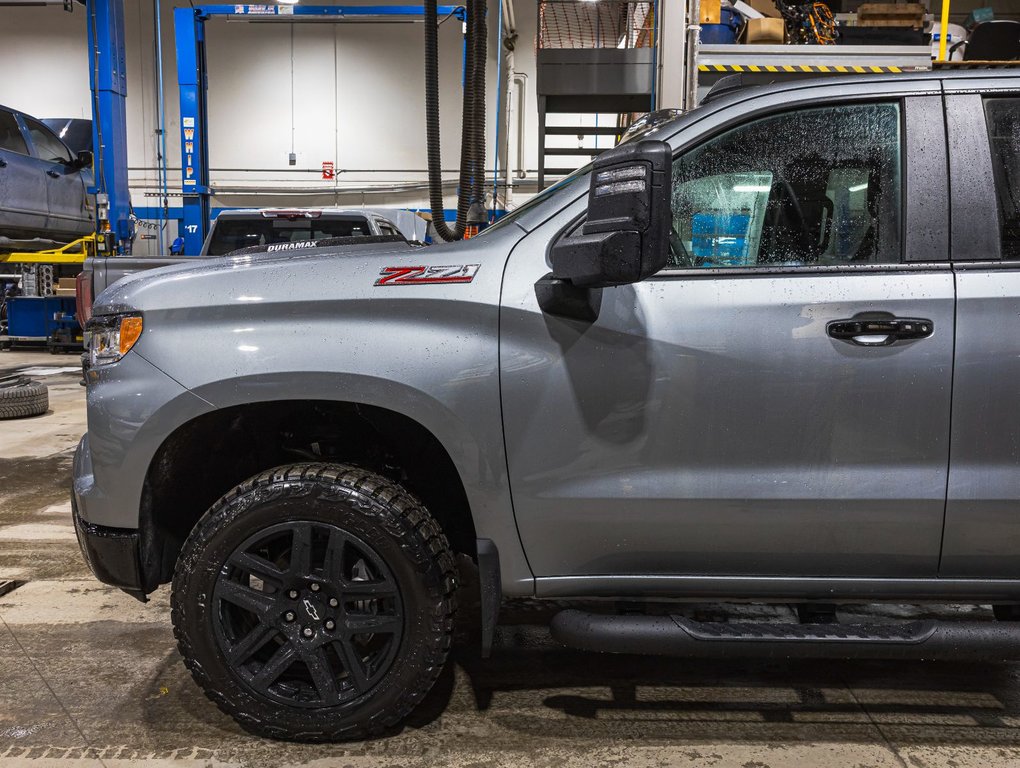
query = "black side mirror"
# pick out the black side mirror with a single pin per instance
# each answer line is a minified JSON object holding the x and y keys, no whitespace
{"x":84,"y":159}
{"x":625,"y":237}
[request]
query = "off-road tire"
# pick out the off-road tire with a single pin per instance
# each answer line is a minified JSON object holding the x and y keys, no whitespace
{"x":26,"y":398}
{"x":380,"y":512}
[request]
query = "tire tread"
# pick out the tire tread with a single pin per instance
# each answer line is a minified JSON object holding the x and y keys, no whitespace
{"x":29,"y":399}
{"x":432,"y":557}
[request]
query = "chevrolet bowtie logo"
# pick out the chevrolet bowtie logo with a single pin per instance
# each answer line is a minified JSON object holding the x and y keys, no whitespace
{"x":310,"y":610}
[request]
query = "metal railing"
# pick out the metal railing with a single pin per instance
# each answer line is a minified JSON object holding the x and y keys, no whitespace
{"x":602,"y":24}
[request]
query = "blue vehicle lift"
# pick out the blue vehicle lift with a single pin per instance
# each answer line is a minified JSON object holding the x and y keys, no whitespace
{"x":108,"y":80}
{"x":189,"y":33}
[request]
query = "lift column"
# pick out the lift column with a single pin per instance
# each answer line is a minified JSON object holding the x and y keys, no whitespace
{"x":108,"y":79}
{"x":189,"y":33}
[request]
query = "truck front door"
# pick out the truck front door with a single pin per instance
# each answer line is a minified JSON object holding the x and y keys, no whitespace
{"x":759,"y":408}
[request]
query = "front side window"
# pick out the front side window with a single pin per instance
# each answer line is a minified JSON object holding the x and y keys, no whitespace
{"x":1003,"y":116}
{"x":47,"y":146}
{"x":807,"y":187}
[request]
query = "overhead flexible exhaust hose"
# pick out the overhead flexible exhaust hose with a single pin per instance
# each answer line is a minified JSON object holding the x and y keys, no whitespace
{"x":480,"y":44}
{"x":473,"y":122}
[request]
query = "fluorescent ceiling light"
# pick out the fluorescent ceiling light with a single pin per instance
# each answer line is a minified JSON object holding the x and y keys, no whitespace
{"x":859,"y":187}
{"x":752,"y":188}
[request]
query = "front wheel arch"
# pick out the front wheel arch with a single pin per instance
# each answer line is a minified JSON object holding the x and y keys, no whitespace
{"x":210,"y":454}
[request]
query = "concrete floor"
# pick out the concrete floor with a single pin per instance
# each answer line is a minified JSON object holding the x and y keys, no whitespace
{"x":89,"y":676}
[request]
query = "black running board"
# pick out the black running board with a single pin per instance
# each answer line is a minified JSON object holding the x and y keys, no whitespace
{"x":677,"y":636}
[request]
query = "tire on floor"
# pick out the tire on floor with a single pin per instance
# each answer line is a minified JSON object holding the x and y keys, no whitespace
{"x":24,"y":397}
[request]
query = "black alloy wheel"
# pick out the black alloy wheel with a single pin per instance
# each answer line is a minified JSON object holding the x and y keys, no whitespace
{"x":315,"y":602}
{"x":307,"y":614}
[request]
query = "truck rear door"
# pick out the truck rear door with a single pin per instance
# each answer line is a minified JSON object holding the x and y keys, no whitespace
{"x":982,"y":534}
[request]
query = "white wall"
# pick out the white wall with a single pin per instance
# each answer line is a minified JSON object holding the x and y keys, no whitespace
{"x":358,"y":100}
{"x":44,"y":62}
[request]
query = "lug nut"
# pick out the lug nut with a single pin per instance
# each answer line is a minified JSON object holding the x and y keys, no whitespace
{"x":333,"y":602}
{"x":292,"y":594}
{"x":288,"y":616}
{"x":330,"y":624}
{"x":307,"y":632}
{"x":315,"y":587}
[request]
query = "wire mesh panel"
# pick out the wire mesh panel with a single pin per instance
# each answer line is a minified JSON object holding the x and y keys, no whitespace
{"x":602,"y":24}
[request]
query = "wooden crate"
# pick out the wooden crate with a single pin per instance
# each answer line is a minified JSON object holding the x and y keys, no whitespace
{"x":891,"y":15}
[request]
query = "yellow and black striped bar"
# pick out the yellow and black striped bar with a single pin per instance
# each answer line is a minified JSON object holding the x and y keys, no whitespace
{"x":780,"y":68}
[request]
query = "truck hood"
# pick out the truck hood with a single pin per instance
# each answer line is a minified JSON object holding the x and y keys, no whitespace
{"x":315,"y":274}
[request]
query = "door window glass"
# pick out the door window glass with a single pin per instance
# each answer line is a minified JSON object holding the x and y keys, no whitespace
{"x":10,"y":134}
{"x":47,"y":146}
{"x":1004,"y":132}
{"x":813,"y":186}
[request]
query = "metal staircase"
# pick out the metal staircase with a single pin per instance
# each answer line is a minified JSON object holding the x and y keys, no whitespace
{"x":592,"y":58}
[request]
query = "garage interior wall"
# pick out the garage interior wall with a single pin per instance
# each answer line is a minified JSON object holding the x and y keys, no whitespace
{"x":351,"y":93}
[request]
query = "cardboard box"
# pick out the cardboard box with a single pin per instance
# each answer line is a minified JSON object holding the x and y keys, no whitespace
{"x":711,"y":11}
{"x":909,"y":15}
{"x":66,"y":282}
{"x":746,"y":10}
{"x":766,"y":8}
{"x":64,"y":292}
{"x":765,"y":31}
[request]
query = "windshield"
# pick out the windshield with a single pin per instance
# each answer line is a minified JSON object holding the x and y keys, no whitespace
{"x":536,"y":201}
{"x":233,"y":233}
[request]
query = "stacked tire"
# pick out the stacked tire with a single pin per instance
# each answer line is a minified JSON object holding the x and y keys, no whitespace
{"x":21,"y":397}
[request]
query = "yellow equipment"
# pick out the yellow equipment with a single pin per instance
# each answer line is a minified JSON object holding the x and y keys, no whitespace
{"x":74,"y":252}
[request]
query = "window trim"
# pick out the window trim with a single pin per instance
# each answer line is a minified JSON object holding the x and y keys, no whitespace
{"x":905,"y":104}
{"x":807,"y":270}
{"x":994,"y":174}
{"x":975,"y":229}
{"x":926,"y":208}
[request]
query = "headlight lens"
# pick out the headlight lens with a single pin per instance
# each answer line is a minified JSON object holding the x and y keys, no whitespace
{"x":112,"y":337}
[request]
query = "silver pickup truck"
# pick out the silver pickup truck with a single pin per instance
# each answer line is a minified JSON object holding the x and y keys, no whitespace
{"x":768,"y":353}
{"x":234,"y":230}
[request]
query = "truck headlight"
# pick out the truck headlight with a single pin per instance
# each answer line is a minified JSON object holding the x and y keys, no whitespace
{"x":112,"y":337}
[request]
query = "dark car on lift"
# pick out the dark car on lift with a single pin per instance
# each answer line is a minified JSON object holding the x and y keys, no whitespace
{"x":43,"y":185}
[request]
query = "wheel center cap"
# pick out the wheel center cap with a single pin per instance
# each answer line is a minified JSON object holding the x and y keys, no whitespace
{"x":311,"y":609}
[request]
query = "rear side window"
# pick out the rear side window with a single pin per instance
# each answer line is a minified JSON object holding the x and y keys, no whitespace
{"x":10,"y":134}
{"x":231,"y":233}
{"x":1003,"y":116}
{"x":47,"y":145}
{"x":805,"y":187}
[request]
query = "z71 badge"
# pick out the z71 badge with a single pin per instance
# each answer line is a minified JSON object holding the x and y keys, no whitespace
{"x":454,"y":273}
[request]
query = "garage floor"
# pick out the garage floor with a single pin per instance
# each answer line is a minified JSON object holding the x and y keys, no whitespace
{"x":90,"y":676}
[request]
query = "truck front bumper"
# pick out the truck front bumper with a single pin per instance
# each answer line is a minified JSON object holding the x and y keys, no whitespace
{"x":112,"y":554}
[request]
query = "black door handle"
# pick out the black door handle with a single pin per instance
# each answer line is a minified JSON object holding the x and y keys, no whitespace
{"x":879,"y":331}
{"x":53,"y":174}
